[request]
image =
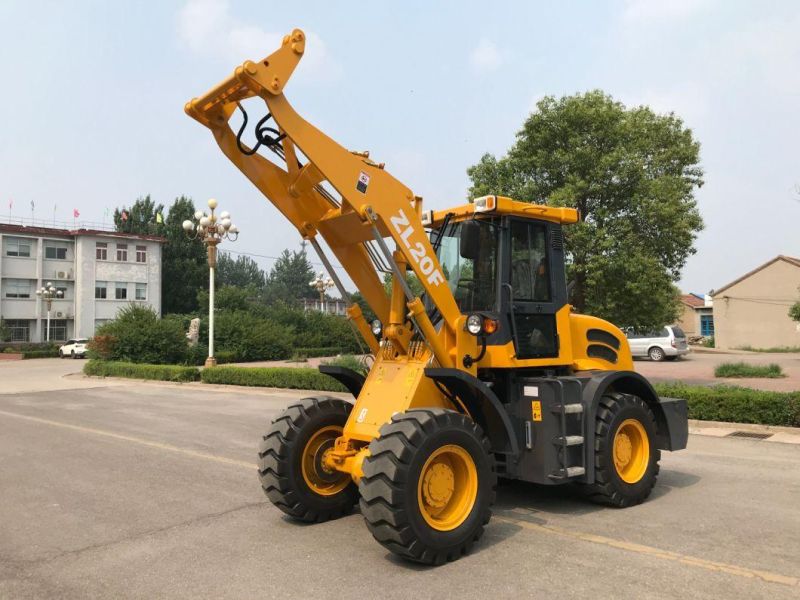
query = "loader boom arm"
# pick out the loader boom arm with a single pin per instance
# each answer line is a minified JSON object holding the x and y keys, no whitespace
{"x":374,"y":204}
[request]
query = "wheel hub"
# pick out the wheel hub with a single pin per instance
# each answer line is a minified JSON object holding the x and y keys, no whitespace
{"x":631,"y":451}
{"x":438,"y":485}
{"x":622,"y":450}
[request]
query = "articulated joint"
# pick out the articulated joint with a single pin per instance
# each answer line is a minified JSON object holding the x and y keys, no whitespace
{"x":346,"y":459}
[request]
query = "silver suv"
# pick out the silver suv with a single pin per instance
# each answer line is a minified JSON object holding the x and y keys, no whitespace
{"x":666,"y":343}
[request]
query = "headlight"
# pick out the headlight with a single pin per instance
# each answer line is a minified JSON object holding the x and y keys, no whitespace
{"x":485,"y":203}
{"x":475,"y":324}
{"x":377,"y":327}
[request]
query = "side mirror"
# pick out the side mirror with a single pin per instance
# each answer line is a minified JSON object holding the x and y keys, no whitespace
{"x":470,"y":244}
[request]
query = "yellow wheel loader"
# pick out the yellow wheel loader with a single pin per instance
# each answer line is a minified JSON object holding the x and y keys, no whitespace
{"x":488,"y":373}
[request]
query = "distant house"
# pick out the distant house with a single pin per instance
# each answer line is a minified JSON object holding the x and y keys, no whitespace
{"x":697,"y":318}
{"x":754,"y":309}
{"x":335,"y":306}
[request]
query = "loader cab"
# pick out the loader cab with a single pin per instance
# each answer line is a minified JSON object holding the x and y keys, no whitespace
{"x":509,"y":268}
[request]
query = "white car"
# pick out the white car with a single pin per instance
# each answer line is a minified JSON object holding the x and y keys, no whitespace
{"x":667,"y":343}
{"x":74,"y":348}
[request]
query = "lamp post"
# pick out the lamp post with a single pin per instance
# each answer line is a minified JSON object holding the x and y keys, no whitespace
{"x":321,"y":283}
{"x":47,"y":293}
{"x":211,"y":229}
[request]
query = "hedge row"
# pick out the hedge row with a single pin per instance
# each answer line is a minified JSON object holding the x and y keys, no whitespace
{"x":49,"y":353}
{"x":278,"y":377}
{"x":104,"y":368}
{"x":742,"y":369}
{"x":736,"y":404}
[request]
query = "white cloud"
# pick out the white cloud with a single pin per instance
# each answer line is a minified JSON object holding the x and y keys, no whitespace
{"x":486,"y":56}
{"x":208,"y":27}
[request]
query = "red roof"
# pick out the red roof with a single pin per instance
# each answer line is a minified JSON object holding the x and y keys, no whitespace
{"x":692,"y":301}
{"x":32,"y":230}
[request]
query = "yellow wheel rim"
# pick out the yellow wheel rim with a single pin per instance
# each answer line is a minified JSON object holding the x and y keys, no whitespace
{"x":319,"y":478}
{"x":631,"y":451}
{"x":448,"y":487}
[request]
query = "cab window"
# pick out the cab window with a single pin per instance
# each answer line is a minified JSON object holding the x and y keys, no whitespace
{"x":530,"y":278}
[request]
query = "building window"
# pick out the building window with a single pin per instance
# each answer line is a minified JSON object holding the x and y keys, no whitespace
{"x":58,"y":330}
{"x":101,"y":251}
{"x":122,"y":252}
{"x":707,"y":325}
{"x":141,"y":254}
{"x":18,"y":247}
{"x":19,"y":330}
{"x":55,"y":252}
{"x":121,"y":291}
{"x":17,"y":288}
{"x":100,"y":290}
{"x":141,"y":291}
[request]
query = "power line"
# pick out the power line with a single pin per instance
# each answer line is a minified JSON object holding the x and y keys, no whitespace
{"x":313,"y":262}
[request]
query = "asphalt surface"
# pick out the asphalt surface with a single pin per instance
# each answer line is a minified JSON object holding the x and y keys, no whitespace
{"x":150,"y":491}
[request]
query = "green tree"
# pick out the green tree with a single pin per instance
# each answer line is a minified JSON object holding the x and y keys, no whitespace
{"x":289,"y":279}
{"x":5,"y":333}
{"x":242,"y":271}
{"x":138,"y":335}
{"x":184,"y":265}
{"x":141,"y":218}
{"x":631,"y":173}
{"x":794,"y":312}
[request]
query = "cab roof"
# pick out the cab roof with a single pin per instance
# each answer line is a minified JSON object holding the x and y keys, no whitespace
{"x":501,"y":205}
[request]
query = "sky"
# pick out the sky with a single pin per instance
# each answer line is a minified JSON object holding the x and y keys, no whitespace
{"x":93,"y":95}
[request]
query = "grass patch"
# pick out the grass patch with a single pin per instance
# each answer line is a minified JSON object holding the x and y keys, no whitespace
{"x":776,"y":349}
{"x":106,"y":368}
{"x":349,"y":362}
{"x":742,"y":369}
{"x":279,"y":377}
{"x":736,"y":404}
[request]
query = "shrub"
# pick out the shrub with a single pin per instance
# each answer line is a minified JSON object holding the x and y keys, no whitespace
{"x":349,"y":361}
{"x":736,"y":404}
{"x":198,"y":353}
{"x":138,"y":335}
{"x":10,"y":351}
{"x":280,"y":377}
{"x":103,"y":368}
{"x":742,"y":369}
{"x":251,"y":338}
{"x":708,"y":342}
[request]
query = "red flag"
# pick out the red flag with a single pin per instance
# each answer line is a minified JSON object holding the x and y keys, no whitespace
{"x":124,"y":216}
{"x":75,"y":213}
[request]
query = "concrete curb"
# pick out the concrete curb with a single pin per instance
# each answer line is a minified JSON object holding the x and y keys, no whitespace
{"x":784,"y":435}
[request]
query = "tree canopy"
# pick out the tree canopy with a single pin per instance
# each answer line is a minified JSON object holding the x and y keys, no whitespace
{"x":141,"y":218}
{"x":241,"y":271}
{"x":631,"y":174}
{"x":184,"y":267}
{"x":289,"y":278}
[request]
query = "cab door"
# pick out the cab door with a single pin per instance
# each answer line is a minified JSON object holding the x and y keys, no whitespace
{"x":535,"y":276}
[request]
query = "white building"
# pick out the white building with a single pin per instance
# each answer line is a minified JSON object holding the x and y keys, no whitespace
{"x":98,"y":272}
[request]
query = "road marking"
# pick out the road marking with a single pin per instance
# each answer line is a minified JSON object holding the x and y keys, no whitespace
{"x":709,"y":565}
{"x":135,"y":440}
{"x":702,"y":563}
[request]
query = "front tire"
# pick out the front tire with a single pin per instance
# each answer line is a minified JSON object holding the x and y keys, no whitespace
{"x":290,"y":462}
{"x":429,"y":485}
{"x":656,"y":354}
{"x":625,"y":455}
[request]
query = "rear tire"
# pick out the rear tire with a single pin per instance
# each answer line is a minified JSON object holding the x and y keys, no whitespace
{"x":626,"y":459}
{"x":656,"y":354}
{"x":289,"y":463}
{"x":428,"y":485}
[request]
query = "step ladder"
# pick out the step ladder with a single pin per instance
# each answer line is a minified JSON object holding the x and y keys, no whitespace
{"x":571,"y":420}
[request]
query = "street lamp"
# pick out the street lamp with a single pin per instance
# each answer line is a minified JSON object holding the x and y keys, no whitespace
{"x":47,"y":293}
{"x":211,"y":230}
{"x":321,"y":283}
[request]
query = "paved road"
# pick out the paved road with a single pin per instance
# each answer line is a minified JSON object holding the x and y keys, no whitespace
{"x":149,"y":491}
{"x":698,"y":368}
